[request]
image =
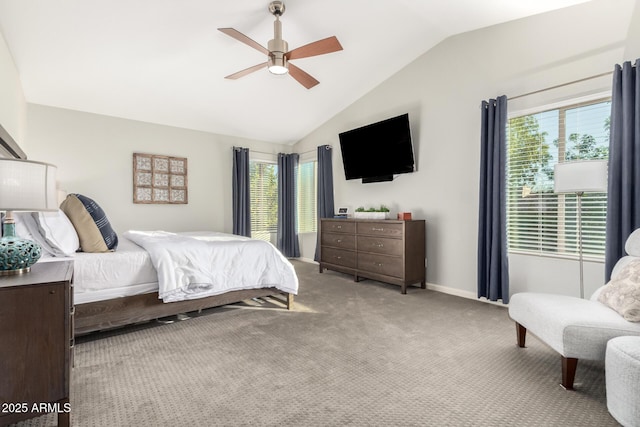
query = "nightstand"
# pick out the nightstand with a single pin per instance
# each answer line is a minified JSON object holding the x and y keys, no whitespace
{"x":36,"y":332}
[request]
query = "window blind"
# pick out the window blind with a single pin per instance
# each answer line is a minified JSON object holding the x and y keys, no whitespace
{"x":306,"y":197}
{"x":538,"y":220}
{"x":263,"y":178}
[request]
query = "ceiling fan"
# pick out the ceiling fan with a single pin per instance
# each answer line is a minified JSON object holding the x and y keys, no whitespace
{"x":278,"y":55}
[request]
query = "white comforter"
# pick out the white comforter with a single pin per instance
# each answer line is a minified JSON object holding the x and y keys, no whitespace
{"x":196,"y":265}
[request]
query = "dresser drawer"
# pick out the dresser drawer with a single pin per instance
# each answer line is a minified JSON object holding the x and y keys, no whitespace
{"x":344,"y":241}
{"x":380,"y":229}
{"x":338,"y":226}
{"x":338,"y":257}
{"x":381,"y":264}
{"x":380,"y":245}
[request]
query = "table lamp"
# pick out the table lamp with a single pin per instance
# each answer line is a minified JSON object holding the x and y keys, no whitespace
{"x":24,"y":186}
{"x":579,"y":177}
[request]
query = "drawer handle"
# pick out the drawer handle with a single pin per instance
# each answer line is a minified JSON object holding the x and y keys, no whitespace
{"x":377,"y":229}
{"x":339,"y":241}
{"x":339,"y":227}
{"x":379,"y":245}
{"x":378,"y":264}
{"x":337,"y":257}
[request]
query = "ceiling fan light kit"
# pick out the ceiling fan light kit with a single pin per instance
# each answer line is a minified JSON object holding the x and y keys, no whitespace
{"x":278,"y":53}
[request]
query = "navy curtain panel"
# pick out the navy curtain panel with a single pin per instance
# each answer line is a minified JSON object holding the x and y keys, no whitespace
{"x":241,"y":192}
{"x":324,"y":194}
{"x":623,"y":187}
{"x":287,"y":224}
{"x":493,"y":265}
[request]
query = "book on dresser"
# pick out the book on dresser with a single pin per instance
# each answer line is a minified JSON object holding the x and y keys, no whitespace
{"x":389,"y":251}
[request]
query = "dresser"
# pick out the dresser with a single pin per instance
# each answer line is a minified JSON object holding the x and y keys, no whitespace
{"x":385,"y":250}
{"x":36,"y":342}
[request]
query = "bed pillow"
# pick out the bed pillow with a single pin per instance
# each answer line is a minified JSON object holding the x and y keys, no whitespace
{"x":623,"y":293}
{"x":27,"y":228}
{"x":94,"y":230}
{"x":58,"y":231}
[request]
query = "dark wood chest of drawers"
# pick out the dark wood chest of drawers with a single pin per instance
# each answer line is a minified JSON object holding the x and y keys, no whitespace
{"x":385,"y":250}
{"x":36,"y":342}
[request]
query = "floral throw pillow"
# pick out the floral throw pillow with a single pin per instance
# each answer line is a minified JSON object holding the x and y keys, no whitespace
{"x":623,"y":293}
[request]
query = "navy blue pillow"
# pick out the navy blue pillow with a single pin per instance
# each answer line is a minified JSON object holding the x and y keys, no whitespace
{"x":100,"y":218}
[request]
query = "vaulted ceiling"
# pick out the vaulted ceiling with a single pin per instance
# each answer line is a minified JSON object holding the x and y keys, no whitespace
{"x":164,"y":61}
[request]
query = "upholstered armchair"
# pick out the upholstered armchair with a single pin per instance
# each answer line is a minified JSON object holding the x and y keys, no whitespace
{"x":580,"y":328}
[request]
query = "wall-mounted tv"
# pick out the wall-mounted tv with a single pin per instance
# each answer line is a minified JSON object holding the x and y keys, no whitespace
{"x":378,"y":151}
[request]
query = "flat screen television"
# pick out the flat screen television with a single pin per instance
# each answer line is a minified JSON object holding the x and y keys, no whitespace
{"x":378,"y":151}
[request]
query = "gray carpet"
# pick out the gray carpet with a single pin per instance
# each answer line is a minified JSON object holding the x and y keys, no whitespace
{"x":349,"y":354}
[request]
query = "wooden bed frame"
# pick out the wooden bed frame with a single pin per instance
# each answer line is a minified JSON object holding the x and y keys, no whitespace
{"x":100,"y":315}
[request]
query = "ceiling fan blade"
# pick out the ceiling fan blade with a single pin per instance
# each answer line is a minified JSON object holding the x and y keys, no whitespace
{"x":244,"y":39}
{"x":320,"y":47}
{"x":302,"y":77}
{"x":246,"y":71}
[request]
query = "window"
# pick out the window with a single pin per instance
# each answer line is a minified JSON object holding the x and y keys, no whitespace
{"x":263,"y":177}
{"x":307,"y":177}
{"x":538,"y":220}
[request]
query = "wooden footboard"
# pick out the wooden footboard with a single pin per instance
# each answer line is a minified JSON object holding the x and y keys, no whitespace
{"x":116,"y":312}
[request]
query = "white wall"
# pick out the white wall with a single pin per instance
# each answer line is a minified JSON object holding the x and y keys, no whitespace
{"x":12,"y":103}
{"x":632,"y":47}
{"x":94,"y":157}
{"x":442,"y":91}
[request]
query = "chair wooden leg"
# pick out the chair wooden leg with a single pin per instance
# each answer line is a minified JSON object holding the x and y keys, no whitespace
{"x":569,"y":366}
{"x":289,"y":301}
{"x":521,"y":333}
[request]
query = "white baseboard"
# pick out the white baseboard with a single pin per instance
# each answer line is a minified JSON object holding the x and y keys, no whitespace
{"x":461,"y":293}
{"x":439,"y":288}
{"x":451,"y":291}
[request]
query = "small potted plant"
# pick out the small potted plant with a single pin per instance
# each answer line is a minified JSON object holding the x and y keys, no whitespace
{"x":372,"y":213}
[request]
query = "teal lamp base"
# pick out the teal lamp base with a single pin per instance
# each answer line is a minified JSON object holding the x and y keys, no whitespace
{"x":17,"y":255}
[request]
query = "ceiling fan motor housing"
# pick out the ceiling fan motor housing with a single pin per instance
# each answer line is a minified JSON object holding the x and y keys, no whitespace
{"x":277,"y":60}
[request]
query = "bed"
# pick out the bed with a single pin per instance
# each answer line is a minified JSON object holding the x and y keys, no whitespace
{"x":115,"y":280}
{"x":154,"y":274}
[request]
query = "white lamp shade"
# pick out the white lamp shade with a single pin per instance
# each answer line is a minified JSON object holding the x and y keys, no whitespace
{"x":27,"y":186}
{"x":585,"y":176}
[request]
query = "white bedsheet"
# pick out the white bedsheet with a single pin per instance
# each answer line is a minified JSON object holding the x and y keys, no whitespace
{"x":195,"y":265}
{"x":101,"y":276}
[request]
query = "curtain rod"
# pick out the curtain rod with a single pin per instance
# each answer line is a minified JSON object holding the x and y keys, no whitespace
{"x":560,"y":85}
{"x":327,"y":146}
{"x":254,"y":151}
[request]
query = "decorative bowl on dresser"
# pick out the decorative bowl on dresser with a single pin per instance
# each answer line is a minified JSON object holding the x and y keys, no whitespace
{"x":389,"y":251}
{"x":36,"y":343}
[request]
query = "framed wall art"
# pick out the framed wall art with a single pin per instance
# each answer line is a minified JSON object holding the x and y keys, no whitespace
{"x":159,"y":179}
